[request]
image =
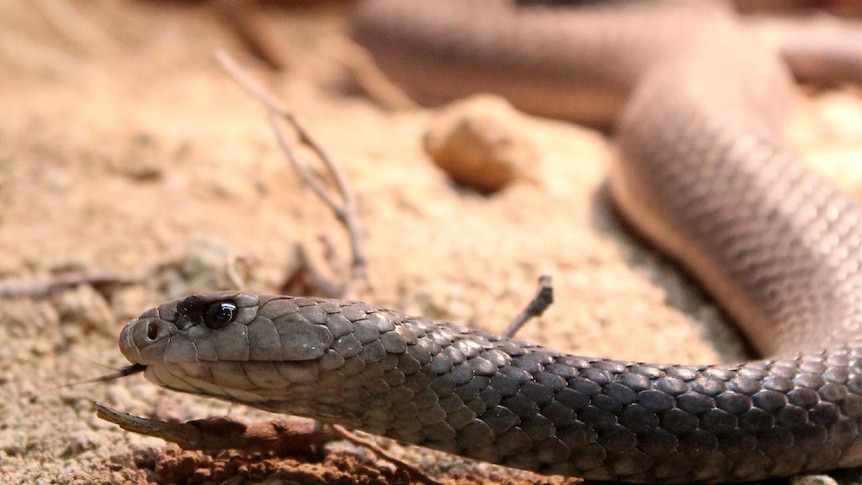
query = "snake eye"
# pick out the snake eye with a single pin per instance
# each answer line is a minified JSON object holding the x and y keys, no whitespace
{"x":220,"y":314}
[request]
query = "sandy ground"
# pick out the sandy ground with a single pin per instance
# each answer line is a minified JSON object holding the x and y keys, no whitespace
{"x":124,"y":149}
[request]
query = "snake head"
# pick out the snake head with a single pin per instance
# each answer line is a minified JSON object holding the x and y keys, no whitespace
{"x":178,"y":330}
{"x":181,"y":344}
{"x":248,"y":348}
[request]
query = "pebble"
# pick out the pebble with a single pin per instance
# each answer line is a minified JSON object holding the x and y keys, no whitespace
{"x":480,"y":142}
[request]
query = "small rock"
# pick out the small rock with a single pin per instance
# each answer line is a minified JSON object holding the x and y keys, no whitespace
{"x":480,"y":143}
{"x":142,"y":160}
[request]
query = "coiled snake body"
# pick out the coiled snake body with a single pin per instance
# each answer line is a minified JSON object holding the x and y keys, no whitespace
{"x":702,"y":173}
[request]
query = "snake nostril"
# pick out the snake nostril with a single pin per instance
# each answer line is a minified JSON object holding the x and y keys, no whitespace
{"x":152,"y":330}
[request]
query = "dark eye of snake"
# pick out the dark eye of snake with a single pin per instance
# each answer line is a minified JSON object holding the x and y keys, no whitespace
{"x":220,"y":314}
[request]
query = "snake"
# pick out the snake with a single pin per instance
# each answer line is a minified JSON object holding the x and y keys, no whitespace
{"x":702,"y":172}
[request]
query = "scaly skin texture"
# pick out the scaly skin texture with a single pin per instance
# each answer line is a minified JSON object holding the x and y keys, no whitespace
{"x":702,"y":173}
{"x":462,"y":391}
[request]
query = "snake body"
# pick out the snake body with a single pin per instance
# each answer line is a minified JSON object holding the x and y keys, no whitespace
{"x":702,"y":172}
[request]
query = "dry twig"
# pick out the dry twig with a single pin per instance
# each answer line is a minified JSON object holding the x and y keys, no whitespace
{"x":29,"y":288}
{"x":345,"y":210}
{"x":369,"y":78}
{"x":220,"y":433}
{"x":255,"y":30}
{"x":540,"y":302}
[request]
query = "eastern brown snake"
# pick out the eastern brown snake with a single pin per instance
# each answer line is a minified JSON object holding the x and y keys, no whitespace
{"x":702,"y":173}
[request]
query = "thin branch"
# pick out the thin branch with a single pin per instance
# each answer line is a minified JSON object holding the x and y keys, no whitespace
{"x":220,"y":433}
{"x":255,"y":30}
{"x":274,"y":119}
{"x":29,"y":288}
{"x":247,"y":83}
{"x":368,"y":77}
{"x":540,"y":302}
{"x":345,"y":211}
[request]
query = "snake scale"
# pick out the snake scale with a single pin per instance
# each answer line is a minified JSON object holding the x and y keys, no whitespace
{"x":702,"y":173}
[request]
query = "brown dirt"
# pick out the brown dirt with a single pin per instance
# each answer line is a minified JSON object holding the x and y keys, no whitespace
{"x":123,"y":148}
